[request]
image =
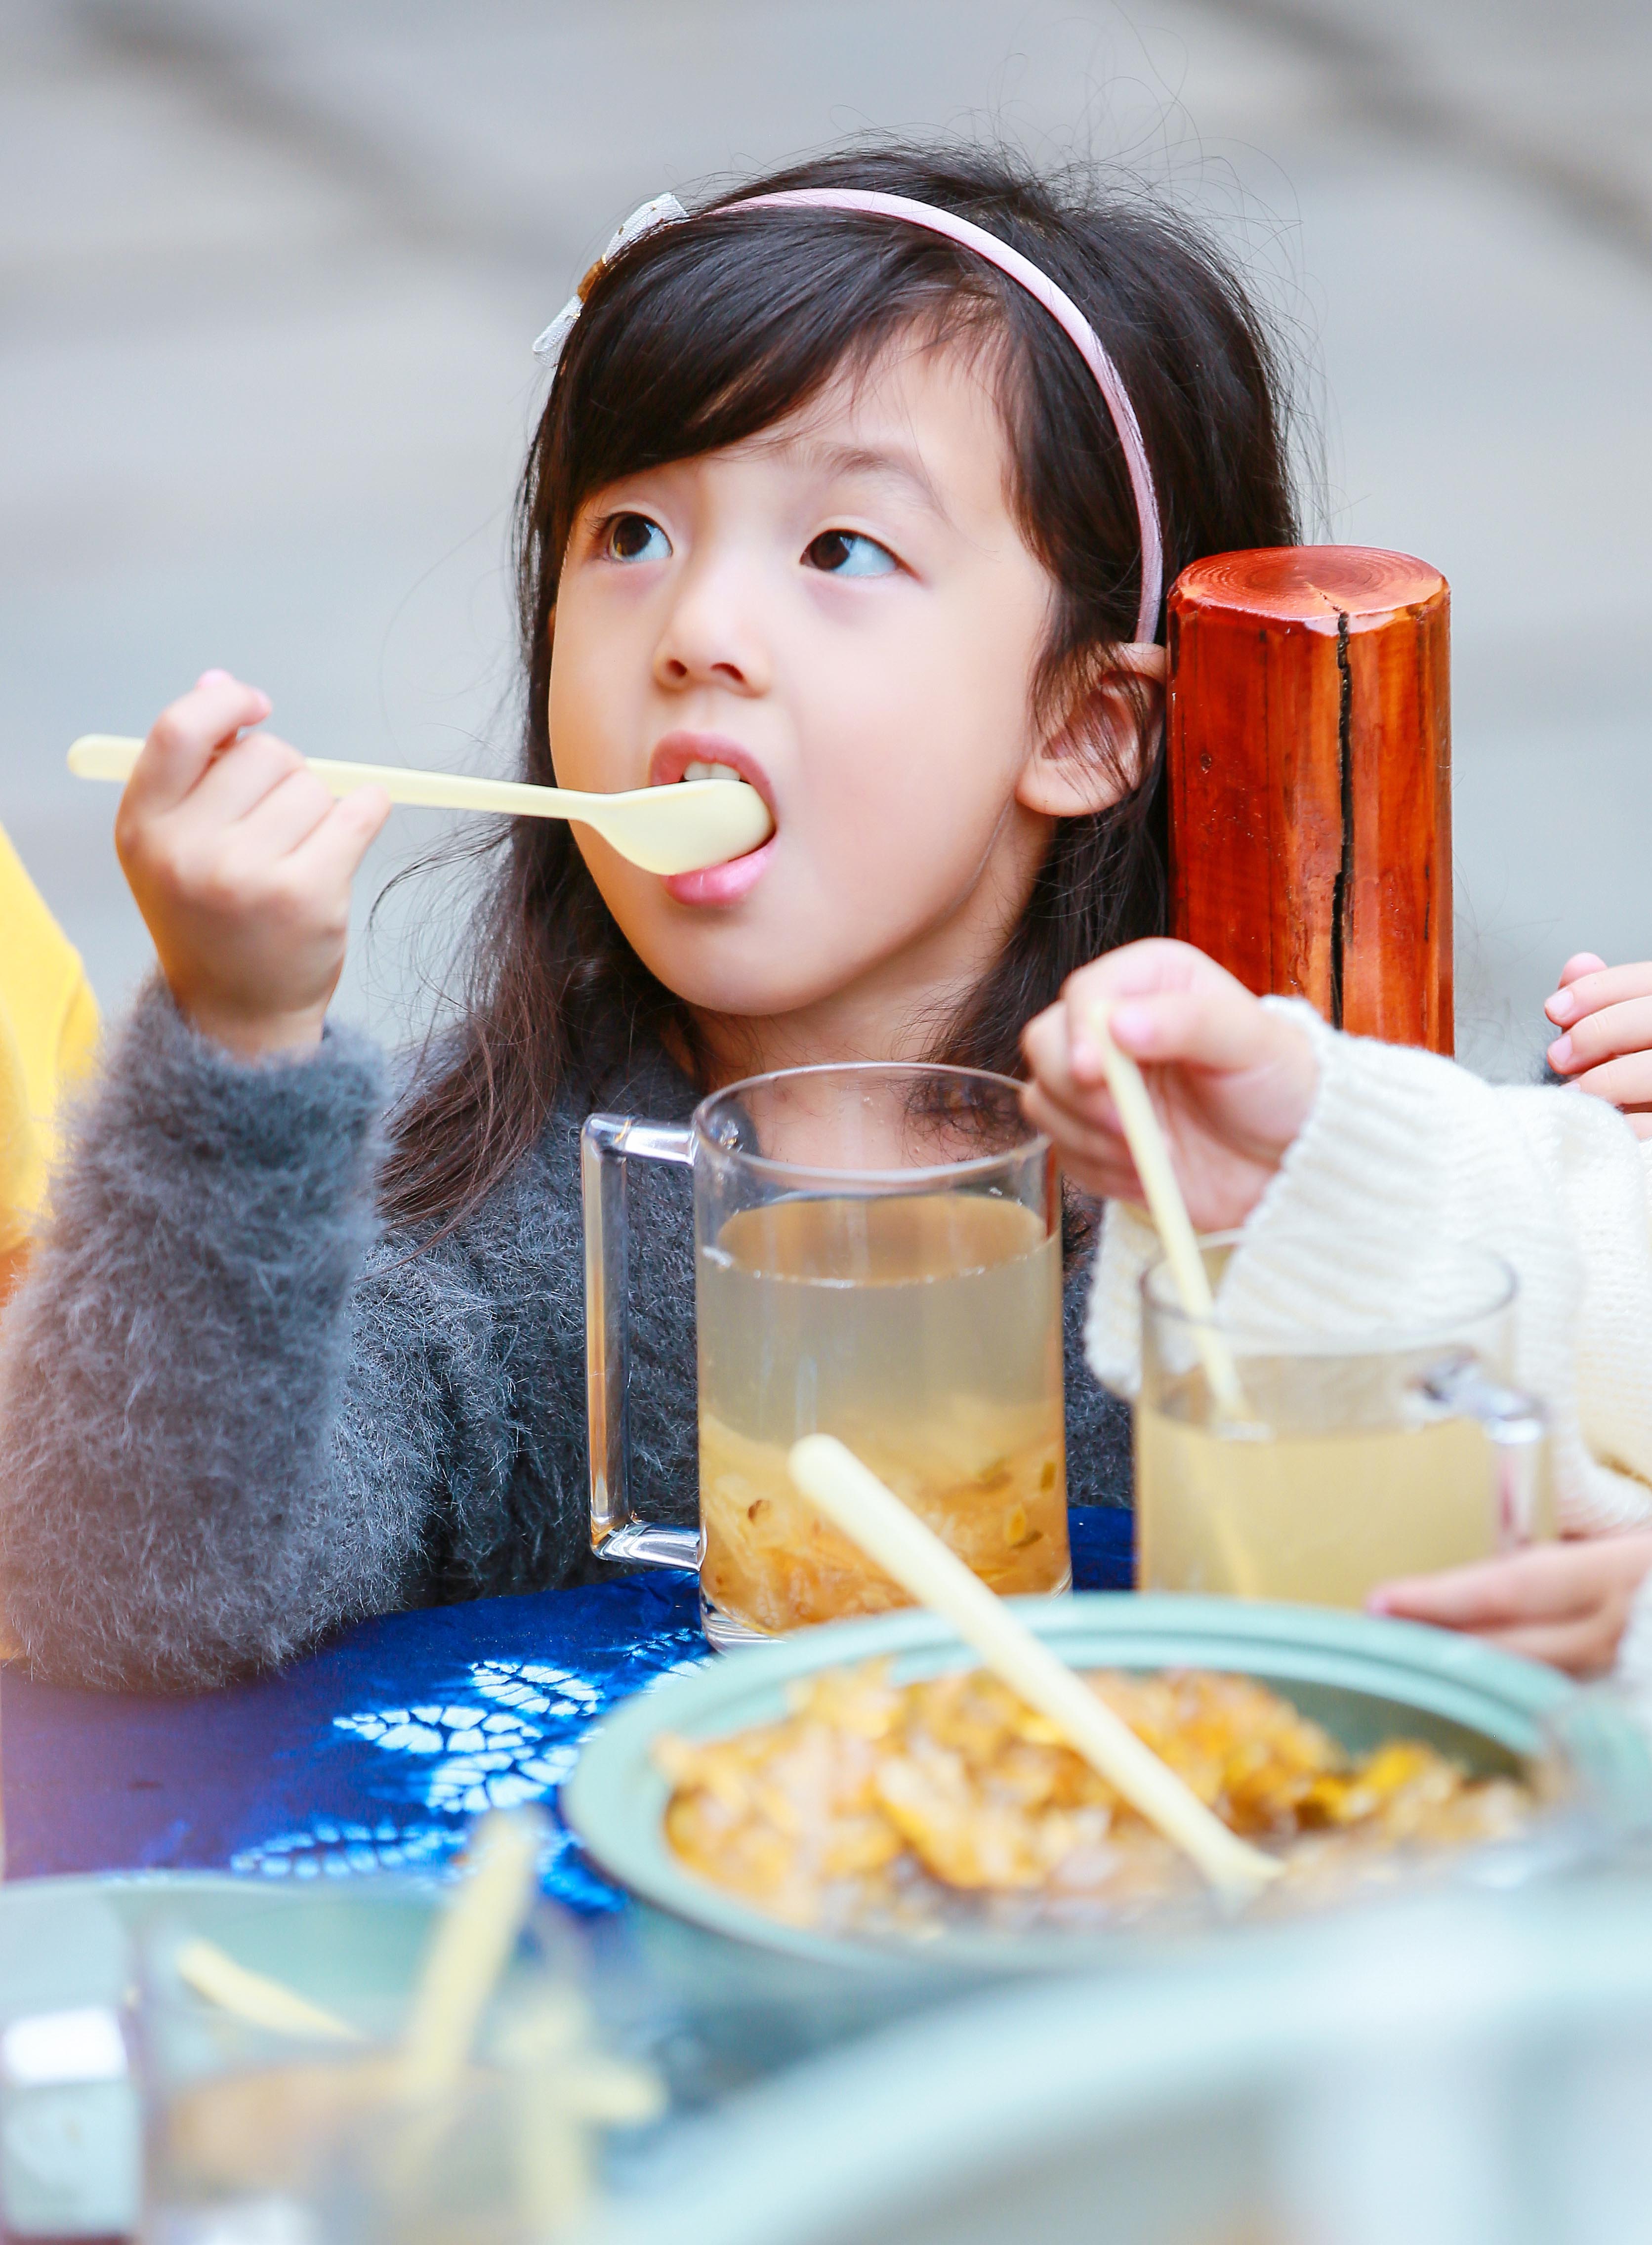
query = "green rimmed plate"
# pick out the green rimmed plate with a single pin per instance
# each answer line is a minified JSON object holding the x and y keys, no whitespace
{"x":1364,"y":1678}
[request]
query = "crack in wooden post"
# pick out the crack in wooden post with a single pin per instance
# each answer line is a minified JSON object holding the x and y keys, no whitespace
{"x":1343,"y":891}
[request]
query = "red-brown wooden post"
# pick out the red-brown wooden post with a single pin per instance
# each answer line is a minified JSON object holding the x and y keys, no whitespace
{"x":1309,"y":747}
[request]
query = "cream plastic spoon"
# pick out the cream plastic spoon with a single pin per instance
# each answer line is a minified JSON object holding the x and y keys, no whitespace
{"x":665,"y":830}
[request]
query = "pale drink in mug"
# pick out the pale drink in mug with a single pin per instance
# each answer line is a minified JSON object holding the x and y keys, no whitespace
{"x":1358,"y":1457}
{"x":877,"y":1257}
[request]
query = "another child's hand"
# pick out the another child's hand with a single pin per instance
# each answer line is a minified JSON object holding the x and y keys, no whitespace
{"x":241,"y":864}
{"x":1604,"y":1014}
{"x":1566,"y":1603}
{"x":1232,"y":1083}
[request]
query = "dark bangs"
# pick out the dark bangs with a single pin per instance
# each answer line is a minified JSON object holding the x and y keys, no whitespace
{"x":706,"y":333}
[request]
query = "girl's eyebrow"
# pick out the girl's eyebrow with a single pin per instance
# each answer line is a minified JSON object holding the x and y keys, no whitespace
{"x":885,"y":464}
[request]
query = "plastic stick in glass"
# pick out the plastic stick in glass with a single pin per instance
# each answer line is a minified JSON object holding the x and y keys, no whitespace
{"x":855,"y":1500}
{"x":472,"y":1944}
{"x":213,"y":1974}
{"x":1171,"y":1218}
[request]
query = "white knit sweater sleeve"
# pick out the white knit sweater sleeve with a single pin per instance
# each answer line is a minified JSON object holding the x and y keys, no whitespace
{"x":1402,"y":1153}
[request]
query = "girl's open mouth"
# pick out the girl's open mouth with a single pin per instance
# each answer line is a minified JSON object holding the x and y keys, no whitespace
{"x":686,"y":754}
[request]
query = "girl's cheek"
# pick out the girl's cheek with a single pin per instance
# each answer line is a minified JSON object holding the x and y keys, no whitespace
{"x":585,"y":732}
{"x":892,"y":739}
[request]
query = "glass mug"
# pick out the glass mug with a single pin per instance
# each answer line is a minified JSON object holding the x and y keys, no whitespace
{"x":878,"y":1256}
{"x":1369,"y":1454}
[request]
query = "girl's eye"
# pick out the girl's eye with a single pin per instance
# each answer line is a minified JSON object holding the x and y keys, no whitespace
{"x":634,"y":538}
{"x":850,"y":554}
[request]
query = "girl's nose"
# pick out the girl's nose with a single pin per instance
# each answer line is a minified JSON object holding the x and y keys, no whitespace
{"x":711,"y":638}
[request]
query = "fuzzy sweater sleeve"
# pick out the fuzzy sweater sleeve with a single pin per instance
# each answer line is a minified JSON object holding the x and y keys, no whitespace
{"x":1404,"y":1154}
{"x":212,"y":1446}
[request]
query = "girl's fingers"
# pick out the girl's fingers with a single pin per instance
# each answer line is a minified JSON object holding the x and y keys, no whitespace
{"x":334,"y":852}
{"x":1070,"y":1105}
{"x":1625,"y":1026}
{"x":241,"y":778}
{"x":1626,"y":1082}
{"x":1157,"y":962}
{"x":1521,"y":1604}
{"x":1602,"y":987}
{"x":1088,"y":1159}
{"x":1132,"y":1021}
{"x":1209,"y":1028}
{"x":1138,"y":970}
{"x":1044,"y":1041}
{"x":1100,"y":1161}
{"x":1589,"y":1579}
{"x":1580,"y":963}
{"x":285,"y":816}
{"x":1583,"y":1647}
{"x":1088,"y":1114}
{"x":1092,"y":1129}
{"x":1554,"y":1582}
{"x":186,"y":737}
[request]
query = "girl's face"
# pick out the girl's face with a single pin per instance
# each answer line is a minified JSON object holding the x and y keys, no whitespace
{"x":842,"y":611}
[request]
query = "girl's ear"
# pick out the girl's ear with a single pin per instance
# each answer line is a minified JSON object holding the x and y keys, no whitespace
{"x":1100,"y":752}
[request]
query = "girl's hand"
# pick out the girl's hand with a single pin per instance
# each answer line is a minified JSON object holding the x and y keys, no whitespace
{"x":1604,"y":1014}
{"x":241,"y":864}
{"x":1566,"y":1603}
{"x":1232,"y":1084}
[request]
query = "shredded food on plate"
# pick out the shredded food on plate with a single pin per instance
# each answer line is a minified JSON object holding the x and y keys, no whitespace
{"x":879,"y":1805}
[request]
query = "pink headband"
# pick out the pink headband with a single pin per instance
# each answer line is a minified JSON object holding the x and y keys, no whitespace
{"x":666,"y":210}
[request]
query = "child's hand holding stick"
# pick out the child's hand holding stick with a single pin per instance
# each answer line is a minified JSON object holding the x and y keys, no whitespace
{"x":1231,"y":1083}
{"x":241,"y":862}
{"x":1169,"y":1214}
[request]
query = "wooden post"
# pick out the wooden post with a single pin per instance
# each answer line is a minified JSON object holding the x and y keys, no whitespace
{"x":1308,"y":750}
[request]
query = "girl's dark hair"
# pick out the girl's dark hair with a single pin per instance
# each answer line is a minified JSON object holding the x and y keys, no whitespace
{"x":706,"y":332}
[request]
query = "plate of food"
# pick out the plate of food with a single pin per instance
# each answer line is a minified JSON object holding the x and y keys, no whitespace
{"x":865,"y":1789}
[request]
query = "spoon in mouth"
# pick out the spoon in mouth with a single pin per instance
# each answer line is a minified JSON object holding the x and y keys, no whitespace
{"x":681,"y":829}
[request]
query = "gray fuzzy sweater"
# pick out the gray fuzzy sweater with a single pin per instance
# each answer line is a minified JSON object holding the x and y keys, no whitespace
{"x":236,"y":1413}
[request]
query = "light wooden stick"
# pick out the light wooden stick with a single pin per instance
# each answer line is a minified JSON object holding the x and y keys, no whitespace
{"x":213,"y":1973}
{"x":857,"y":1502}
{"x":111,"y":756}
{"x":106,"y":755}
{"x":562,"y":2089}
{"x":1171,"y":1218}
{"x":472,"y":1947}
{"x":679,"y":829}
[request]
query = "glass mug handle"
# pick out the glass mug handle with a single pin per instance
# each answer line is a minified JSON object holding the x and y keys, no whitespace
{"x":1516,"y":1426}
{"x":606,"y":1143}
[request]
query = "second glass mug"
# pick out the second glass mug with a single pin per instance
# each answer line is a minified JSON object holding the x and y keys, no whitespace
{"x":1364,"y":1455}
{"x":878,"y":1256}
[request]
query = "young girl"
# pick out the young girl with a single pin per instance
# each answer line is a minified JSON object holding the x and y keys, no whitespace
{"x":873,"y":516}
{"x":1347,"y":1164}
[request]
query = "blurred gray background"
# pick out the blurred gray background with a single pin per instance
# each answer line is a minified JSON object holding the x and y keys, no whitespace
{"x":271,"y":273}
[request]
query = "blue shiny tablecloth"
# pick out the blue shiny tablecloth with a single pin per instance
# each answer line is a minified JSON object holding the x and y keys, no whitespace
{"x":376,"y":1751}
